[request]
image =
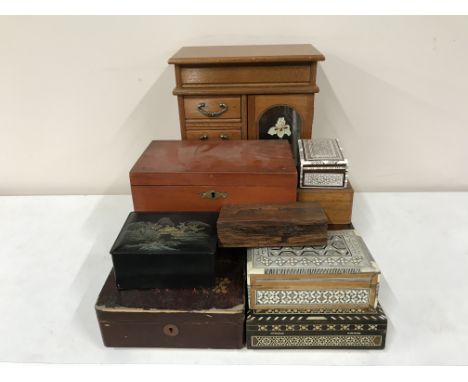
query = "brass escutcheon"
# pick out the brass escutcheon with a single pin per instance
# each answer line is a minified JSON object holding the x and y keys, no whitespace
{"x":213,"y":195}
{"x":170,"y":330}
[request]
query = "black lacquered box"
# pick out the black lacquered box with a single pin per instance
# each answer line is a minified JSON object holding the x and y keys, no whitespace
{"x":165,"y":250}
{"x":303,"y":329}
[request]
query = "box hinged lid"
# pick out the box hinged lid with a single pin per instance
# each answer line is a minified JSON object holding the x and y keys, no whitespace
{"x":226,"y":297}
{"x":300,"y":213}
{"x":345,"y":253}
{"x":153,"y":233}
{"x":324,"y":152}
{"x":370,"y":319}
{"x":210,"y":163}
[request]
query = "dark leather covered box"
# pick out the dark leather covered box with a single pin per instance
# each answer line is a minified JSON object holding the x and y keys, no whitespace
{"x":180,"y":318}
{"x":165,"y":250}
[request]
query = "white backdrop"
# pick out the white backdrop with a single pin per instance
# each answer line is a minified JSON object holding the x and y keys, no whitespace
{"x":81,"y":97}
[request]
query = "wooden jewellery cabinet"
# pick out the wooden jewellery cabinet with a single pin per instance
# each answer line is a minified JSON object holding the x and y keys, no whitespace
{"x":246,"y":92}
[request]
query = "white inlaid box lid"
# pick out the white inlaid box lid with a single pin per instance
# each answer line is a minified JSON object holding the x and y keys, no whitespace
{"x":321,"y":152}
{"x":345,"y":252}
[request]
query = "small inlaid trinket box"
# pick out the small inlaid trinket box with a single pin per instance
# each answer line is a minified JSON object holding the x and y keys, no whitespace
{"x":322,"y":164}
{"x":305,"y":329}
{"x":339,"y":275}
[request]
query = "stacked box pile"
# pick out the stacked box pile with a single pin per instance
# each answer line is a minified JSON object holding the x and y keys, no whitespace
{"x":241,"y":232}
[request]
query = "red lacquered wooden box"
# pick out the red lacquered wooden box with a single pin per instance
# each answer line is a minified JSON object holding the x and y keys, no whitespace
{"x":204,"y":175}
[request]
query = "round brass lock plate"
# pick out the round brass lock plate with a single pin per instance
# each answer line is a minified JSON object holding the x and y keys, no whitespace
{"x":170,"y":330}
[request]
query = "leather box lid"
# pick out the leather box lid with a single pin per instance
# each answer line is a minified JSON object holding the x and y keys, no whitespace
{"x":246,"y":54}
{"x":226,"y":297}
{"x":235,"y":163}
{"x":153,"y":233}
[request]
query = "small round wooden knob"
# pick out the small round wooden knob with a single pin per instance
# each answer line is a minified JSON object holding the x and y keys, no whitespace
{"x":171,"y":330}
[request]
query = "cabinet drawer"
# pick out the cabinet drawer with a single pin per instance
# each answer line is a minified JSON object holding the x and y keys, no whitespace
{"x":213,"y":134}
{"x":212,"y":108}
{"x":246,"y":74}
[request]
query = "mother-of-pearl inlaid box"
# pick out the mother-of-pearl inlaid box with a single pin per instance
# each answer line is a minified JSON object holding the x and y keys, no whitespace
{"x":322,"y":164}
{"x":341,"y":274}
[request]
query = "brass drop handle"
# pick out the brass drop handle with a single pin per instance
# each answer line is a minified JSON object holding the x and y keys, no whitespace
{"x":223,"y":137}
{"x":203,"y":137}
{"x":211,"y":114}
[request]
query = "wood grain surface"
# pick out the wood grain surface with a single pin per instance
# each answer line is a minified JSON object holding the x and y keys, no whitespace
{"x":188,"y":198}
{"x":217,"y":163}
{"x":263,"y":225}
{"x":284,"y":74}
{"x":337,"y":203}
{"x":236,"y":54}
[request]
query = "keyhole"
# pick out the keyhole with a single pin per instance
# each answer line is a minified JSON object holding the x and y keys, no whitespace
{"x":171,"y":330}
{"x":213,"y":194}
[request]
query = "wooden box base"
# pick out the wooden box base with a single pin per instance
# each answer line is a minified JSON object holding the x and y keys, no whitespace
{"x":337,"y":203}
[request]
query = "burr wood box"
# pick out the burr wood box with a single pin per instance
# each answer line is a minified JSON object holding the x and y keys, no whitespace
{"x":257,"y":225}
{"x":339,"y":275}
{"x":322,"y":164}
{"x":246,"y":92}
{"x":165,"y":250}
{"x":205,"y":175}
{"x":305,"y":329}
{"x":337,"y":203}
{"x":178,"y":318}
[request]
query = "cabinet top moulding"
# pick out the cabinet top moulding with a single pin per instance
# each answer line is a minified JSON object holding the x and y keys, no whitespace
{"x":248,"y":69}
{"x":246,"y":54}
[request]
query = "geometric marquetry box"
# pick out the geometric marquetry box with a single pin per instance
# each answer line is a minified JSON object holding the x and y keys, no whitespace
{"x":339,"y":275}
{"x":322,"y":164}
{"x":296,"y":329}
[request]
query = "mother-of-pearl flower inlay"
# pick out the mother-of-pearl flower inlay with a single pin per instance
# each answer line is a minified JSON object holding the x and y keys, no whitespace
{"x":280,"y":129}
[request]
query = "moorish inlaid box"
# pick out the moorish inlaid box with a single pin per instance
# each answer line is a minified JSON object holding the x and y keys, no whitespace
{"x":322,"y":164}
{"x":165,"y":250}
{"x":304,"y":329}
{"x":339,"y":275}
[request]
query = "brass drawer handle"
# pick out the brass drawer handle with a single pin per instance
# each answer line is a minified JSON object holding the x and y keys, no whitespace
{"x":223,"y":137}
{"x":211,"y":114}
{"x":213,"y":195}
{"x":203,"y":137}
